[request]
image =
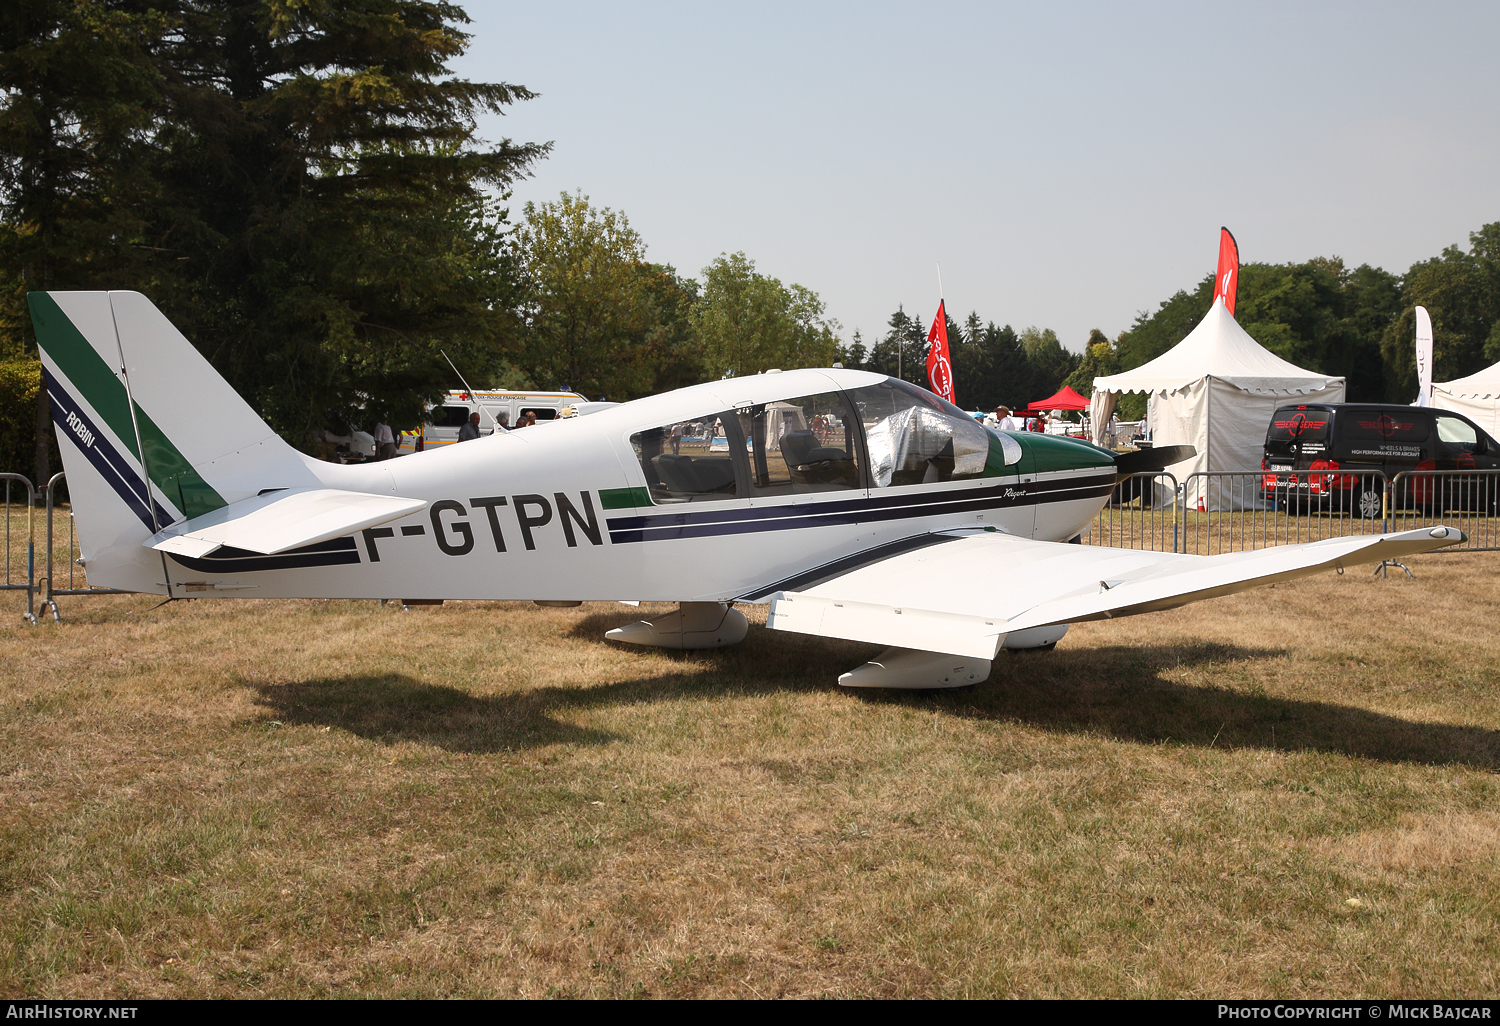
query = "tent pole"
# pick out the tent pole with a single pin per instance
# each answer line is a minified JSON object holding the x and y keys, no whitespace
{"x":1208,"y":441}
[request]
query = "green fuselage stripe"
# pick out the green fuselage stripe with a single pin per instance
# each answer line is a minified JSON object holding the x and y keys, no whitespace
{"x":81,"y":365}
{"x":624,"y":498}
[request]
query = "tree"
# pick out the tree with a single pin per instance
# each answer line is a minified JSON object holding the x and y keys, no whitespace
{"x":1099,"y":360}
{"x":1049,"y":363}
{"x":588,"y":302}
{"x":902,"y":350}
{"x":1461,"y":291}
{"x":1153,"y":333}
{"x":322,"y":227}
{"x":748,"y":322}
{"x":669,"y":346}
{"x":1317,"y":314}
{"x":76,"y":90}
{"x":854,"y":355}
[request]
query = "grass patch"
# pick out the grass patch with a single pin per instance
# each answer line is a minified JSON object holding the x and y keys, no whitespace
{"x":288,"y":799}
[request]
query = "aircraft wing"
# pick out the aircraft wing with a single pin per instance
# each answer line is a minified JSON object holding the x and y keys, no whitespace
{"x":962,"y":593}
{"x":281,"y":520}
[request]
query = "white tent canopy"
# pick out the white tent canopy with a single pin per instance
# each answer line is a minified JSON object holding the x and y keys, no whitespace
{"x":1476,"y":397}
{"x":1215,"y":390}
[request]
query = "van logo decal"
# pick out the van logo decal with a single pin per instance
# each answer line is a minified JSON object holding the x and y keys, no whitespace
{"x":1386,"y":425}
{"x":1298,"y":424}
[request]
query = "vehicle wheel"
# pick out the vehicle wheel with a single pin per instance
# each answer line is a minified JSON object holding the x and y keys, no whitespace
{"x":1369,"y":504}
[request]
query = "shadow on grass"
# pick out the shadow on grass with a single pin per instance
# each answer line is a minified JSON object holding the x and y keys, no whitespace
{"x":397,"y":707}
{"x":1120,"y":692}
{"x":394,"y":707}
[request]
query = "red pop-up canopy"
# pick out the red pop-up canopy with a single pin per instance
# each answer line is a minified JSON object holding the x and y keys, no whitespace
{"x":1067,"y":399}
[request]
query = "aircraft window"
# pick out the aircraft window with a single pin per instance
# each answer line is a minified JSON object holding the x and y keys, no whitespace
{"x":914,"y":437}
{"x":1458,"y":433}
{"x":690,"y":461}
{"x":801,"y":445}
{"x":450,"y":416}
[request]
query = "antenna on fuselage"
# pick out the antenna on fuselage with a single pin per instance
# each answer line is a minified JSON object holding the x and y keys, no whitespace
{"x":475,"y":394}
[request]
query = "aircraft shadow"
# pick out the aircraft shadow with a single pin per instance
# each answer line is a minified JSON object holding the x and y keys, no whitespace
{"x":391,"y":708}
{"x":396,"y":707}
{"x":1115,"y":691}
{"x":1124,"y":693}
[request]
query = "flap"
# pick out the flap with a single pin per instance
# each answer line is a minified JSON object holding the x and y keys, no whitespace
{"x":282,"y":520}
{"x":964,"y":595}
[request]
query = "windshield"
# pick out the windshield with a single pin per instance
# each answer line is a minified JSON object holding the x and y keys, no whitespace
{"x":913,"y":437}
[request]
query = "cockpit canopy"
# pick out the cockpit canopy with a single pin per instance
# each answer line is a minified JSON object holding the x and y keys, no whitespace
{"x":888,"y":434}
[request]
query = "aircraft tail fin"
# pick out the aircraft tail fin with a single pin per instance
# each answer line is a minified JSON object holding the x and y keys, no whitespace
{"x":150,"y":433}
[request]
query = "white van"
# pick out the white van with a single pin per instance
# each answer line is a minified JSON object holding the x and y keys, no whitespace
{"x":445,"y":419}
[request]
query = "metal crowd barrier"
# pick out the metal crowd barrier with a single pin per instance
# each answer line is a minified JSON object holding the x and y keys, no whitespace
{"x":11,"y":583}
{"x":1141,"y":514}
{"x":1238,"y":512}
{"x":1466,"y":499}
{"x":72,"y":584}
{"x":1212,"y":513}
{"x":41,"y":577}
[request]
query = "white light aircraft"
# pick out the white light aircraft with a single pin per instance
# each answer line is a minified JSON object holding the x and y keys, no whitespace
{"x":858,"y":506}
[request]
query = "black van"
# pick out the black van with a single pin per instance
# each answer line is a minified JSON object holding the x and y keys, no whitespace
{"x":1307,"y":443}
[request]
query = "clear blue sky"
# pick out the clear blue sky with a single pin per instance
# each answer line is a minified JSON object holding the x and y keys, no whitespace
{"x":1068,"y":164}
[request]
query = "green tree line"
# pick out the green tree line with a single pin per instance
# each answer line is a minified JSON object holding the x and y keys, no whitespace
{"x":991,"y":365}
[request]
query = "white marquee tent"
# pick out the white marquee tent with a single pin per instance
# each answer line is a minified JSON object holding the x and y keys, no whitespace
{"x":1476,"y":397}
{"x":1215,"y":390}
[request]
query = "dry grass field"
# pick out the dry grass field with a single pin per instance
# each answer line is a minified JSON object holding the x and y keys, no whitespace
{"x":1291,"y":792}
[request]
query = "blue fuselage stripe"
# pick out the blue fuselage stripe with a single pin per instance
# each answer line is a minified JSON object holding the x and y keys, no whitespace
{"x":859,"y":511}
{"x":111,"y":465}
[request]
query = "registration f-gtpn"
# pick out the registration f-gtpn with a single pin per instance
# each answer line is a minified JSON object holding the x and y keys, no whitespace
{"x":856,"y":505}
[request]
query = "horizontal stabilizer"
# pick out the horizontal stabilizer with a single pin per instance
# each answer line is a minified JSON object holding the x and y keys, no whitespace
{"x":965,"y":595}
{"x":281,"y":520}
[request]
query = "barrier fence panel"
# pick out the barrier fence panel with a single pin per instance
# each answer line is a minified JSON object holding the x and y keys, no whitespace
{"x":20,"y":549}
{"x":61,"y":564}
{"x":1141,"y":514}
{"x":1219,"y":512}
{"x":1466,"y":499}
{"x":1242,"y":511}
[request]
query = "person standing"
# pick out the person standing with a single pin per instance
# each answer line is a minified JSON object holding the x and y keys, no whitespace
{"x":1003,"y":420}
{"x":470,"y":431}
{"x":385,"y":441}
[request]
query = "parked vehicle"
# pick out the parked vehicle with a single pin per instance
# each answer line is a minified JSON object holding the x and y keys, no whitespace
{"x":1333,"y":456}
{"x":445,"y":420}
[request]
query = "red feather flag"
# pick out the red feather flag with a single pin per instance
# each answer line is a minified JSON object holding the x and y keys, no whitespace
{"x":1227,"y":279}
{"x":939,"y":365}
